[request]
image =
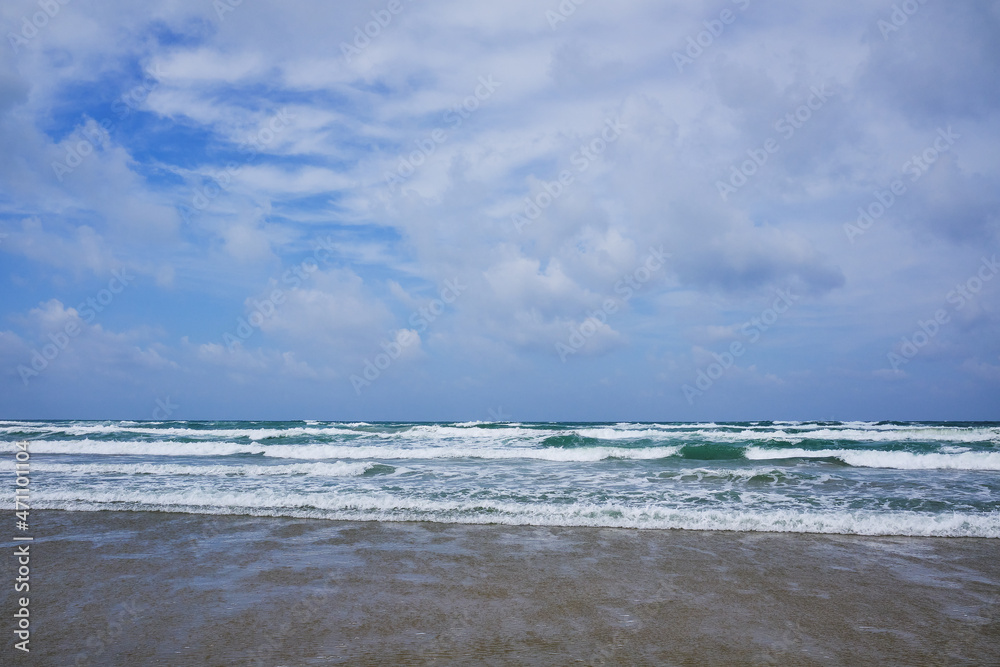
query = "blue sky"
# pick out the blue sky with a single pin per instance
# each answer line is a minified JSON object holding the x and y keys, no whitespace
{"x":529,"y":210}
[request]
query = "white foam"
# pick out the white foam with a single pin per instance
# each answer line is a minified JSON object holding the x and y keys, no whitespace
{"x":438,"y":433}
{"x":431,"y":433}
{"x":338,"y":469}
{"x":385,"y":507}
{"x":443,"y":452}
{"x":909,"y":434}
{"x":175,"y":432}
{"x":616,"y":434}
{"x":665,"y":427}
{"x":728,"y":473}
{"x":87,"y":429}
{"x":320,"y":451}
{"x":882,"y":459}
{"x":154,"y":448}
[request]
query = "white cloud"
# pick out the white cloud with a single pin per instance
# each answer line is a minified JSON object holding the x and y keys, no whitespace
{"x":62,"y":343}
{"x":219,"y":80}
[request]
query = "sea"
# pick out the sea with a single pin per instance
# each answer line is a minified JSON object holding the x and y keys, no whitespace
{"x":860,"y":478}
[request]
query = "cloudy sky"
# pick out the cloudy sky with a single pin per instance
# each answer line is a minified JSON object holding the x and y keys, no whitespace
{"x":527,"y":210}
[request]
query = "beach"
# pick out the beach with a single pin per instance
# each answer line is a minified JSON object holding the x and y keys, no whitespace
{"x":148,"y":588}
{"x":386,"y":332}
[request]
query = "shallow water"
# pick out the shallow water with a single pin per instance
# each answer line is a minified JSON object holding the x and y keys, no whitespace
{"x":138,"y":588}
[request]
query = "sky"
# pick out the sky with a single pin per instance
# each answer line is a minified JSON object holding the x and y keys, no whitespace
{"x":526,"y":210}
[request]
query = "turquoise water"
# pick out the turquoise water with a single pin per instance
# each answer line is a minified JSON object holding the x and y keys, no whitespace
{"x":885,"y":478}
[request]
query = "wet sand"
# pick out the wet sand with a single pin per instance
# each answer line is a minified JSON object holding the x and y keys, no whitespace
{"x":144,"y":588}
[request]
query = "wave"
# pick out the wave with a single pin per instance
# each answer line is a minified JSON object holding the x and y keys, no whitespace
{"x":924,"y":434}
{"x":353,"y":429}
{"x":760,"y":474}
{"x":143,"y":448}
{"x":883,"y":459}
{"x":497,"y":433}
{"x":322,"y":451}
{"x":176,"y":432}
{"x":385,"y":507}
{"x":338,"y":469}
{"x":621,"y":434}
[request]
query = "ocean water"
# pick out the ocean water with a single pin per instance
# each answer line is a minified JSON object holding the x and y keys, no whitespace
{"x":885,"y":478}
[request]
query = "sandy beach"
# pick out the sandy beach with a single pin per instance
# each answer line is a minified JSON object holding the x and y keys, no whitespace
{"x":143,"y":588}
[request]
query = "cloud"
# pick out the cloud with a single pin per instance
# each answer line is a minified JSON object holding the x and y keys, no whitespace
{"x":85,"y":250}
{"x":59,"y":344}
{"x":198,"y":85}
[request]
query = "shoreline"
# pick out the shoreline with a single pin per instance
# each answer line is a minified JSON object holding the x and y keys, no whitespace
{"x":302,"y":514}
{"x":760,"y":523}
{"x":137,"y":588}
